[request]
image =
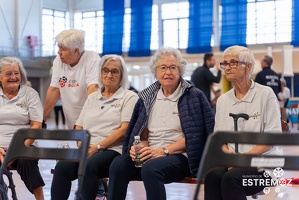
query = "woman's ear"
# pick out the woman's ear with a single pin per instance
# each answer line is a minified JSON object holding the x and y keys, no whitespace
{"x":77,"y":51}
{"x":248,"y":66}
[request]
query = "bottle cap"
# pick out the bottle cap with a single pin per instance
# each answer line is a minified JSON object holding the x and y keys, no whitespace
{"x":137,"y":137}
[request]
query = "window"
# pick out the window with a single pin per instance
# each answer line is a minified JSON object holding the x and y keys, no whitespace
{"x":155,"y":28}
{"x":92,"y":23}
{"x":127,"y":30}
{"x":269,"y":21}
{"x":53,"y":22}
{"x":175,"y":24}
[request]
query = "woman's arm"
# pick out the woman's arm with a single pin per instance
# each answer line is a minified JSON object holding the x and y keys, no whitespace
{"x":34,"y":125}
{"x":259,"y":149}
{"x":113,"y":139}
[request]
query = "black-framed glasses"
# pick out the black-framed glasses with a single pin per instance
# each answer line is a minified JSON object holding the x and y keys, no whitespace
{"x":232,"y":64}
{"x":106,"y":71}
{"x":163,"y":68}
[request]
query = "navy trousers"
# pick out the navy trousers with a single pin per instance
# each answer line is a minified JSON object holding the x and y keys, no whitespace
{"x":97,"y":167}
{"x":223,"y":184}
{"x":154,"y":173}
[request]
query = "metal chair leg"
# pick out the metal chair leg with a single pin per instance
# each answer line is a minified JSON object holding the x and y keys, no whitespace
{"x":11,"y":185}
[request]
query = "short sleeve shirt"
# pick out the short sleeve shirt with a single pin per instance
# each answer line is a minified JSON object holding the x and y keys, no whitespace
{"x":17,"y":112}
{"x":164,"y":123}
{"x":260,"y":103}
{"x":102,"y":116}
{"x":73,"y":83}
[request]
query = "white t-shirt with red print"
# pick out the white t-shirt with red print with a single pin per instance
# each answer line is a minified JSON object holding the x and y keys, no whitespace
{"x":73,"y":83}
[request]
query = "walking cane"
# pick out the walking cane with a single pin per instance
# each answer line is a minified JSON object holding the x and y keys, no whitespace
{"x":236,"y":117}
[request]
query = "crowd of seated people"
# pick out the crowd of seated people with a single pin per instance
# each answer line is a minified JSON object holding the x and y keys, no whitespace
{"x":172,"y":117}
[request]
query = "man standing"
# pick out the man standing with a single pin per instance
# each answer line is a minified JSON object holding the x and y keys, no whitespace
{"x":267,"y":76}
{"x":203,"y":78}
{"x":75,"y":75}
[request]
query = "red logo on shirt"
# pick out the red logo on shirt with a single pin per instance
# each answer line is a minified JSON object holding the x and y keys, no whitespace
{"x":62,"y":81}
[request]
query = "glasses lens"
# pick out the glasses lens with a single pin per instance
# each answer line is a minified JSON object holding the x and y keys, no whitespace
{"x":233,"y":63}
{"x":105,"y":71}
{"x":115,"y":71}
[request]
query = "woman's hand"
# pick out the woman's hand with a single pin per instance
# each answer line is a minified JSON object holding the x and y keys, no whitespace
{"x":2,"y":153}
{"x":92,"y":150}
{"x":225,"y":149}
{"x":147,"y":153}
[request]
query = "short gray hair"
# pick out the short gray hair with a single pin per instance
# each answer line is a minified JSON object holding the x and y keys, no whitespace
{"x":268,"y":59}
{"x":243,"y":53}
{"x":124,"y":82}
{"x":181,"y":62}
{"x":71,"y":39}
{"x":8,"y":61}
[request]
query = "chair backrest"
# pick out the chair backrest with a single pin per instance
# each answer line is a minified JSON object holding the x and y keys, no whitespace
{"x":213,"y":156}
{"x":18,"y":150}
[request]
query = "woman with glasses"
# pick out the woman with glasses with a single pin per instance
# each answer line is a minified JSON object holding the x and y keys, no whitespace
{"x":106,"y":115}
{"x":260,"y":104}
{"x":173,"y":119}
{"x":20,"y":107}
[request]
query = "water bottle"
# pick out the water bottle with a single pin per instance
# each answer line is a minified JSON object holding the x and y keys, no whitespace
{"x":137,"y":146}
{"x":66,"y":145}
{"x":59,"y":146}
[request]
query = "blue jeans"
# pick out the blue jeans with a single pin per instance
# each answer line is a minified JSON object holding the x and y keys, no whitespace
{"x":154,"y":173}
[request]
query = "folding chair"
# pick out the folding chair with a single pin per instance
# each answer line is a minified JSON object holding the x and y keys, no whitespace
{"x":213,"y":156}
{"x":18,"y":150}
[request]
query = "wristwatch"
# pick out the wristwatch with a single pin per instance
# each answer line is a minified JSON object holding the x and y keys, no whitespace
{"x":99,"y":147}
{"x":166,"y":151}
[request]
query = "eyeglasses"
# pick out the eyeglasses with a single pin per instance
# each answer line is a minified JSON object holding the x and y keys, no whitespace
{"x":106,"y":71}
{"x":232,"y":64}
{"x":163,"y":68}
{"x":9,"y":74}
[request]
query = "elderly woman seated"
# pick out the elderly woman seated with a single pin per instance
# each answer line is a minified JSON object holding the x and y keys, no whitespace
{"x":106,"y":114}
{"x":20,"y":107}
{"x":173,"y":119}
{"x":260,"y":104}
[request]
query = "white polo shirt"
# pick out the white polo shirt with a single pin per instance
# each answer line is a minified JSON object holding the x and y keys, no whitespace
{"x":164,"y":123}
{"x":17,"y":112}
{"x":260,"y":103}
{"x":101,"y":116}
{"x":73,"y":83}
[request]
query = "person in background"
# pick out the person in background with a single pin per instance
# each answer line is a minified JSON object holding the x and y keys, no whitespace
{"x":20,"y":107}
{"x":203,"y":78}
{"x":260,"y":103}
{"x":268,"y":76}
{"x":58,"y":108}
{"x":173,"y":119}
{"x":216,"y":92}
{"x":283,"y":98}
{"x":106,"y":115}
{"x":74,"y":77}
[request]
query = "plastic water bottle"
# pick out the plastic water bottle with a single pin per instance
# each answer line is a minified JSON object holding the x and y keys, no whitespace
{"x":137,"y":146}
{"x":63,"y":145}
{"x":59,"y":146}
{"x":66,"y":145}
